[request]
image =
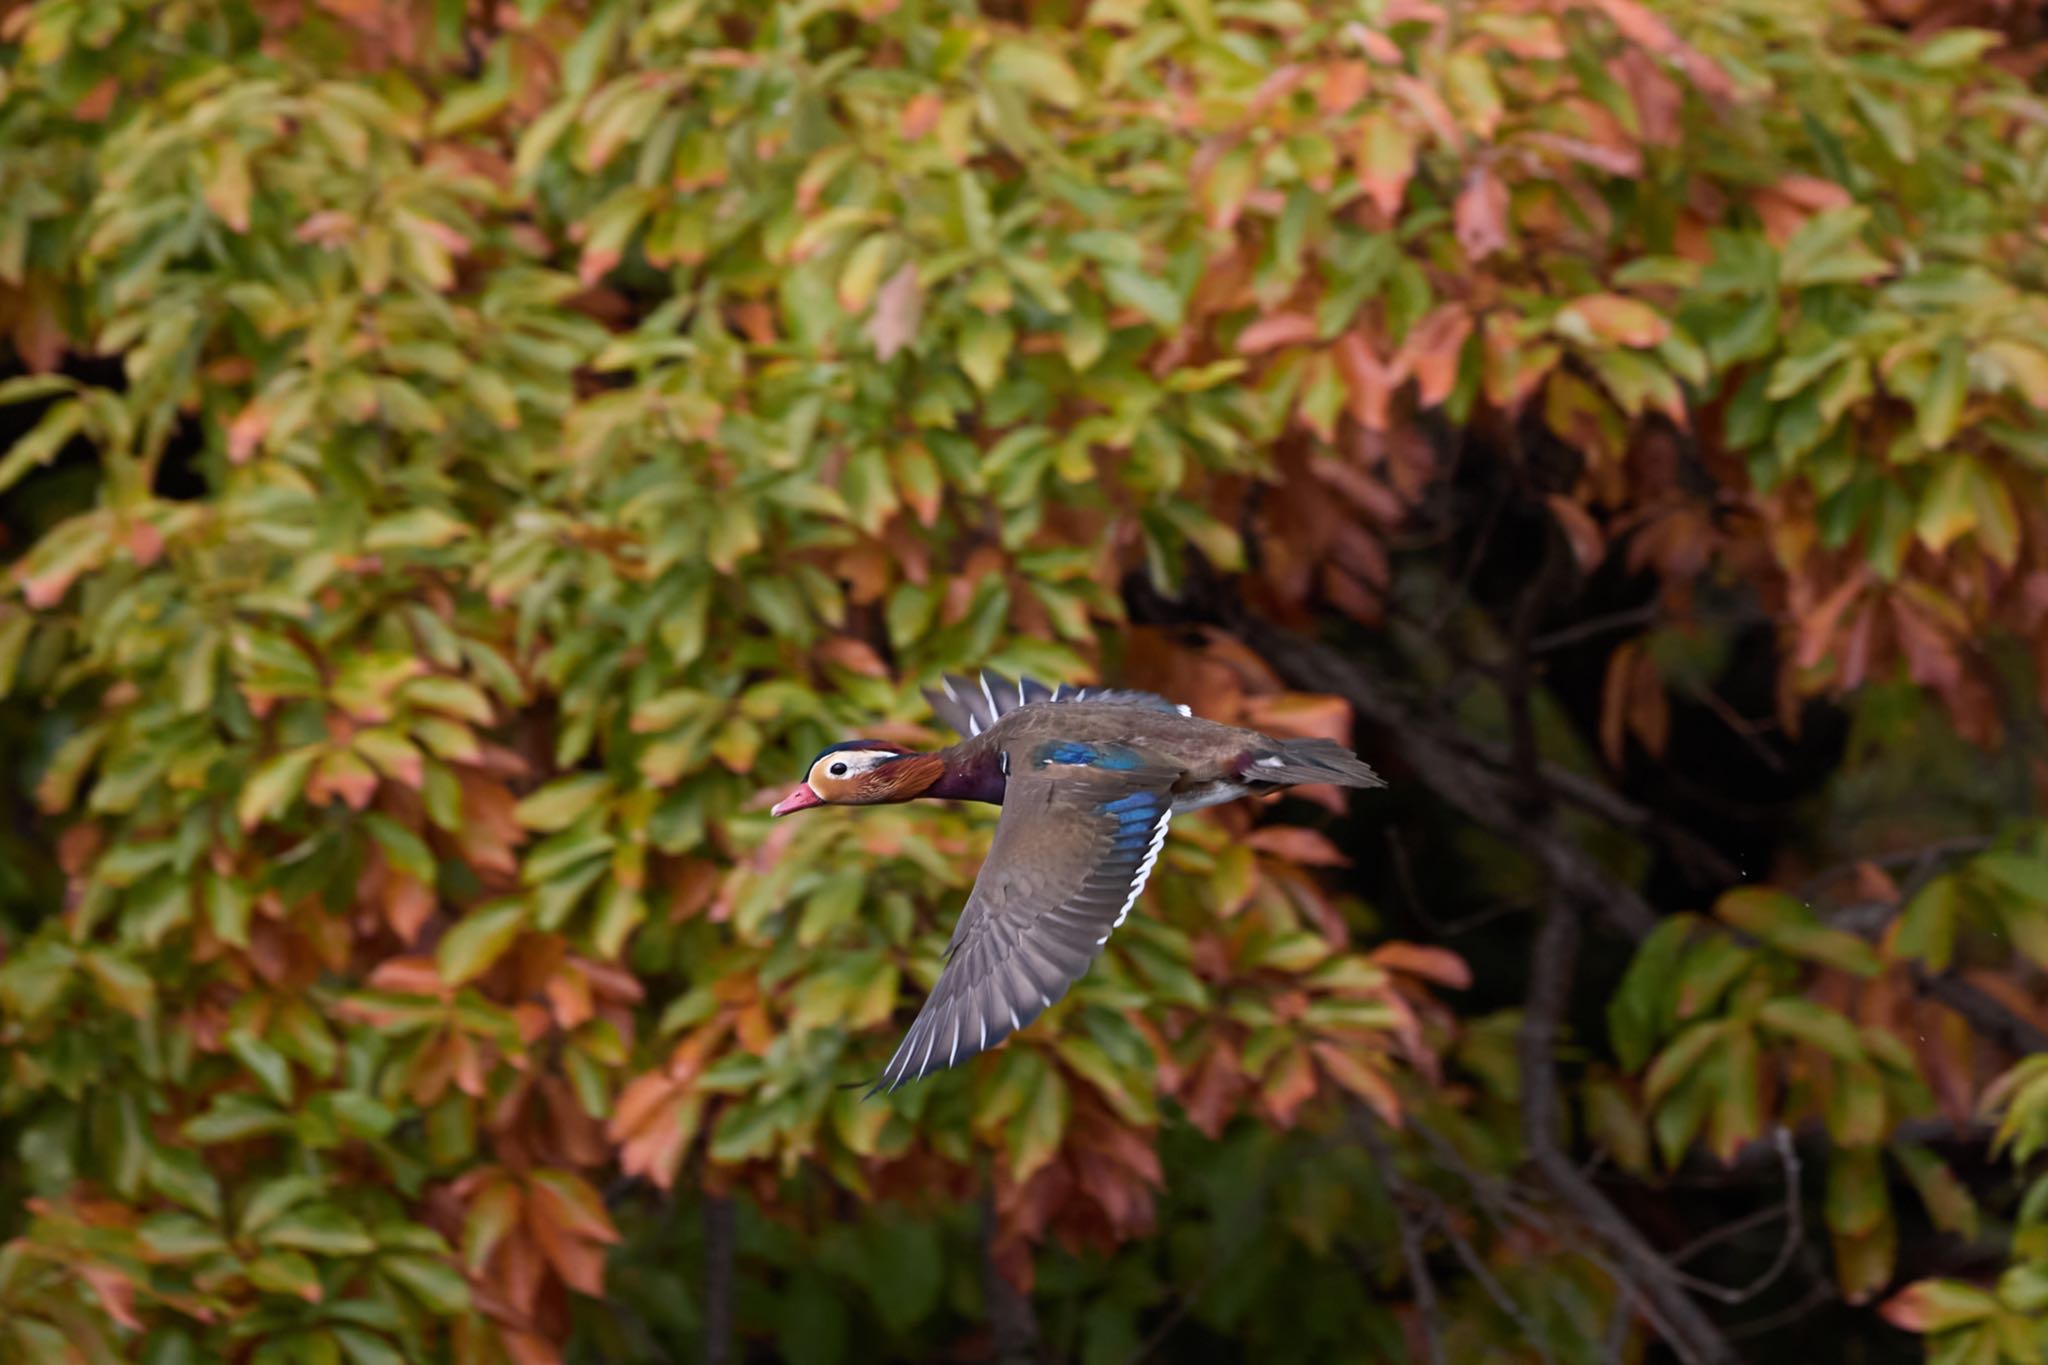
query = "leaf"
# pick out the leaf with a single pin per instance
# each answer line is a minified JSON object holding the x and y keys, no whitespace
{"x":435,"y":1283}
{"x":274,"y":786}
{"x":42,"y":442}
{"x":1678,"y":1060}
{"x":1805,"y":1022}
{"x":321,"y":1229}
{"x":1035,"y":1132}
{"x":1938,"y":406}
{"x":286,"y":1272}
{"x":1154,"y":298}
{"x":1789,"y":926}
{"x":1610,"y":318}
{"x":1037,"y":72}
{"x":1930,"y":1306}
{"x":899,"y":311}
{"x":1480,"y":215}
{"x":414,"y":529}
{"x":1926,"y":928}
{"x":984,"y":347}
{"x":1827,"y":249}
{"x":1386,"y":161}
{"x":479,"y":939}
{"x":566,"y":800}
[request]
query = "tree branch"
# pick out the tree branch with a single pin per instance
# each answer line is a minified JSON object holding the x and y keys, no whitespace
{"x":1399,"y":1194}
{"x":1985,"y":1014}
{"x":1441,"y":763}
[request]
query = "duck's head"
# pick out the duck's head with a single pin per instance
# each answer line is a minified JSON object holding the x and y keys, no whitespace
{"x":860,"y":772}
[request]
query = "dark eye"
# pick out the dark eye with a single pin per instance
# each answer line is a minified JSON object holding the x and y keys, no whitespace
{"x":837,"y":770}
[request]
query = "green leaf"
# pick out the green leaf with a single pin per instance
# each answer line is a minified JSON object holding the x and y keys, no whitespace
{"x":434,"y":1282}
{"x":286,"y":1272}
{"x":268,"y":1064}
{"x":180,"y":1237}
{"x":1037,"y":72}
{"x":321,"y":1229}
{"x":274,"y":786}
{"x":1805,"y":1022}
{"x":984,"y":347}
{"x":1156,"y":299}
{"x":1927,"y":926}
{"x":1036,"y":1131}
{"x":478,"y":940}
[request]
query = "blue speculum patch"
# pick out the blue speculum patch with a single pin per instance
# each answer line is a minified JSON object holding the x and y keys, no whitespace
{"x":1112,"y":756}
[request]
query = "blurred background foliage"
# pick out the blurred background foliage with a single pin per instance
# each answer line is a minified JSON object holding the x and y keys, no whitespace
{"x":458,"y":462}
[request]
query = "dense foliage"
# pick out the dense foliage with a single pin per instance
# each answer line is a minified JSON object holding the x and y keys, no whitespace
{"x":462,"y":461}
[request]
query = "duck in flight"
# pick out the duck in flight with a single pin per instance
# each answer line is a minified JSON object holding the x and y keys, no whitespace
{"x":1088,"y":781}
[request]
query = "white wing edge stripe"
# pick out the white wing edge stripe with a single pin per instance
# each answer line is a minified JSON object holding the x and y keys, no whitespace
{"x":954,"y":1055}
{"x":1144,"y":873}
{"x":931,"y":1037}
{"x":1020,"y":689}
{"x":947,"y":683}
{"x":993,"y":709}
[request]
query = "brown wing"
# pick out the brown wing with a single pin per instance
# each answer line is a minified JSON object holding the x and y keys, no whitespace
{"x":1073,"y":849}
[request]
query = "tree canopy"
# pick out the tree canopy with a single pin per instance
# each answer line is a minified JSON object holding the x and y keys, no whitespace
{"x":459,"y":462}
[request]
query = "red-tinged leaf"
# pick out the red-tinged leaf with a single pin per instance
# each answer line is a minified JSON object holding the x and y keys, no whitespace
{"x":342,"y":774}
{"x":1344,"y":85}
{"x":1614,"y":701}
{"x":1480,"y":216}
{"x":1386,"y":161}
{"x":1440,"y":965}
{"x":116,"y":1291}
{"x":1290,"y":1083}
{"x":1361,"y":1078}
{"x":407,"y":976}
{"x":569,"y":1201}
{"x":1639,"y":25}
{"x":1930,"y":653}
{"x":1301,"y":715}
{"x":579,"y":1263}
{"x":525,"y":1348}
{"x":1369,"y":383}
{"x":1589,"y":544}
{"x":1433,"y":349}
{"x":899,"y":311}
{"x":1611,"y":318}
{"x":1274,"y":331}
{"x":1929,"y":1306}
{"x":1297,"y":845}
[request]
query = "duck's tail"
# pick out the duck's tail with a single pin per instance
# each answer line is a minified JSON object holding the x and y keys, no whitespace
{"x":1294,"y":761}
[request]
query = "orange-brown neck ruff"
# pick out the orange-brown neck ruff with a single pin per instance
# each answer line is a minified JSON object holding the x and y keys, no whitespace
{"x":905,"y":778}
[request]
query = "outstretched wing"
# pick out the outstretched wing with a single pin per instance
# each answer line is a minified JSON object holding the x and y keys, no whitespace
{"x":1080,"y":831}
{"x":971,"y":706}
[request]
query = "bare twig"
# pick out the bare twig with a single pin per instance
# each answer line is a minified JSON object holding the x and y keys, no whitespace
{"x":1985,"y":1014}
{"x":1399,"y":1194}
{"x":1595,"y":625}
{"x":1788,"y":1247}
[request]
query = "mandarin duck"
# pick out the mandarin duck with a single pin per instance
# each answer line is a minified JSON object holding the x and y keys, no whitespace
{"x":1088,"y":781}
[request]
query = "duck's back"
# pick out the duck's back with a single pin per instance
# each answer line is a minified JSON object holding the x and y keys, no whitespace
{"x":1201,"y":748}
